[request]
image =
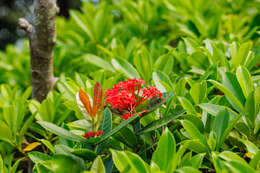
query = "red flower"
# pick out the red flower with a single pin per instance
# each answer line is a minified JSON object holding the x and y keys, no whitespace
{"x":127,"y":95}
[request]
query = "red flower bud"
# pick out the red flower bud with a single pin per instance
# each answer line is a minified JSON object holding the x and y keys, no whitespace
{"x":99,"y":133}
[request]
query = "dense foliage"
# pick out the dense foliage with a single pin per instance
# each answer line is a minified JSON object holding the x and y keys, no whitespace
{"x":196,"y":109}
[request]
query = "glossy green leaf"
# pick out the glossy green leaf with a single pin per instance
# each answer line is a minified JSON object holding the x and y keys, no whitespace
{"x":162,"y":81}
{"x":98,"y":166}
{"x":245,"y":80}
{"x":129,"y":162}
{"x":239,"y":57}
{"x":220,"y":125}
{"x":188,"y":170}
{"x":36,"y":156}
{"x":119,"y":127}
{"x":157,"y":102}
{"x":230,"y":156}
{"x":187,"y":105}
{"x":161,"y":122}
{"x":143,"y":63}
{"x":62,"y":163}
{"x":231,"y":82}
{"x":1,"y":164}
{"x":61,"y":131}
{"x":180,"y":87}
{"x":257,"y":123}
{"x":84,"y":153}
{"x":198,"y":92}
{"x":166,"y":150}
{"x":231,"y":97}
{"x":164,"y":63}
{"x":250,"y":107}
{"x":48,"y":145}
{"x":97,"y":61}
{"x":197,"y":160}
{"x":126,"y":136}
{"x":125,"y":67}
{"x":106,"y":122}
{"x":194,"y":133}
{"x":255,"y":160}
{"x":5,"y":132}
{"x":239,"y":167}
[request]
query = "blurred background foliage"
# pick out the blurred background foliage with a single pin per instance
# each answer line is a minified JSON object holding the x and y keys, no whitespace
{"x":12,"y":10}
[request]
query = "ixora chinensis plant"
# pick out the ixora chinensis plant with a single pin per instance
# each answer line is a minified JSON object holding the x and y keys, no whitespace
{"x":131,"y":99}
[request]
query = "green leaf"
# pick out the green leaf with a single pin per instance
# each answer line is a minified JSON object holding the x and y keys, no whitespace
{"x":239,"y":167}
{"x":1,"y":164}
{"x":187,"y":169}
{"x":25,"y":127}
{"x":63,"y":163}
{"x":98,"y":166}
{"x":5,"y":132}
{"x":197,"y":160}
{"x":180,"y":87}
{"x":198,"y":92}
{"x":61,"y":131}
{"x":84,"y":153}
{"x":187,"y":105}
{"x":157,"y":102}
{"x":231,"y":82}
{"x":255,"y":160}
{"x":194,"y":133}
{"x":65,"y":150}
{"x":191,"y":45}
{"x":245,"y":80}
{"x":162,"y":81}
{"x":164,"y":63}
{"x":97,"y":61}
{"x":36,"y":156}
{"x":165,"y":152}
{"x":213,"y":109}
{"x":220,"y":125}
{"x":239,"y":57}
{"x":48,"y":145}
{"x":161,"y":122}
{"x":15,"y":166}
{"x":119,"y":127}
{"x":257,"y":123}
{"x":195,"y":120}
{"x":250,"y":146}
{"x":125,"y":67}
{"x":126,"y":136}
{"x":106,"y":123}
{"x":143,"y":63}
{"x":129,"y":162}
{"x":229,"y":95}
{"x":250,"y":107}
{"x":230,"y":156}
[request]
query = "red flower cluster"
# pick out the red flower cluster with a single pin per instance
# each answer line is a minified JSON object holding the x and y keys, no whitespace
{"x":127,"y":95}
{"x":93,"y":134}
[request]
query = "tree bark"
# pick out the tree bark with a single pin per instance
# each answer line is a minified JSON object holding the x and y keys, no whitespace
{"x":42,"y":36}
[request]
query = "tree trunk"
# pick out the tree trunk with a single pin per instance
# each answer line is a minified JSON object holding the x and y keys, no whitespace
{"x":42,"y":36}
